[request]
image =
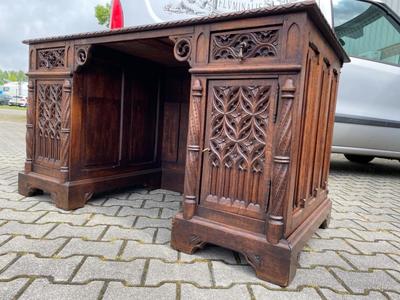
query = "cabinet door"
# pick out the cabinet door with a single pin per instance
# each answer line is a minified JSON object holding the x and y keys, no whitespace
{"x":238,"y":137}
{"x":48,"y":103}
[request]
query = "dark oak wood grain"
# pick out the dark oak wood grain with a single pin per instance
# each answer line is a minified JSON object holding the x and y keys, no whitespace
{"x":235,"y":111}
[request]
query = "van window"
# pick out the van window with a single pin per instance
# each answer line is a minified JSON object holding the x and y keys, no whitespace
{"x":366,"y":31}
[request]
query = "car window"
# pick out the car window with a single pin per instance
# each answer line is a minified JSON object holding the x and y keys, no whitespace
{"x":366,"y":31}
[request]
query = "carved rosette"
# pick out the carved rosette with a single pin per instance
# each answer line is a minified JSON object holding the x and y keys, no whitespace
{"x":281,"y":163}
{"x":65,"y":127}
{"x":193,"y":151}
{"x":182,"y":48}
{"x":30,"y":126}
{"x":82,"y":56}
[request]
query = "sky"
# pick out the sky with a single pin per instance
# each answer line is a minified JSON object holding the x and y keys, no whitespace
{"x":26,"y":19}
{"x":346,"y":10}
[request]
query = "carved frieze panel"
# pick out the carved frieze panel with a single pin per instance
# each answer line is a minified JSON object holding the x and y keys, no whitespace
{"x":238,"y":135}
{"x":51,"y":58}
{"x":245,"y":44}
{"x":49,"y":97}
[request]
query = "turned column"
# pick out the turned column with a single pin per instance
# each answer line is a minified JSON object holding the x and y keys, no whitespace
{"x":193,"y":151}
{"x":30,"y":118}
{"x":65,"y":128}
{"x":183,"y":52}
{"x":281,"y":163}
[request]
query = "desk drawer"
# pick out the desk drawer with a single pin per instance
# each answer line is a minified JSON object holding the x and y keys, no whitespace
{"x":250,"y":44}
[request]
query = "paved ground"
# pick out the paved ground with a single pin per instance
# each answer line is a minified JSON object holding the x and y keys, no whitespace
{"x":12,"y":114}
{"x":117,"y":247}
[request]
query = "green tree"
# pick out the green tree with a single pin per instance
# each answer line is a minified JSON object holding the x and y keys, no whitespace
{"x":102,"y":13}
{"x":6,"y":76}
{"x":21,"y":76}
{"x":2,"y":79}
{"x":12,"y":76}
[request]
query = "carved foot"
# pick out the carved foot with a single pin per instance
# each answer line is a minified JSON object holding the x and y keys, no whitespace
{"x":275,"y":263}
{"x":278,"y":272}
{"x":325,"y":223}
{"x":70,"y":200}
{"x":183,"y":241}
{"x":188,"y":245}
{"x":25,"y":189}
{"x":29,"y":191}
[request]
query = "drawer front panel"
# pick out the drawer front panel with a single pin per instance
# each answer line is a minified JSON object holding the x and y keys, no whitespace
{"x":260,"y":43}
{"x":236,"y":168}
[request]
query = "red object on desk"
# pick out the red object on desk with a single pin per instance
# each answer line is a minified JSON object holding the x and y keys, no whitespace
{"x":117,"y":15}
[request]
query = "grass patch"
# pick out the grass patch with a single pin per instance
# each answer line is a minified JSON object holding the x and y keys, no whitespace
{"x":12,"y":107}
{"x":10,"y":118}
{"x":12,"y":113}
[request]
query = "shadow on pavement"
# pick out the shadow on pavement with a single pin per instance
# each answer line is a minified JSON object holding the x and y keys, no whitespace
{"x":379,"y":166}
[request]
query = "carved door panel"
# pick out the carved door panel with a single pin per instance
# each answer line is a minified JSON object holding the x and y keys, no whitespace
{"x":48,"y":120}
{"x":238,"y":139}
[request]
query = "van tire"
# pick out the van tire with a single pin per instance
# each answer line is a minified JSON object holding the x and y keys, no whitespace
{"x":360,"y":159}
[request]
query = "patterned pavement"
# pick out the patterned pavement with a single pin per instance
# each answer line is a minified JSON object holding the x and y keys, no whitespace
{"x":117,"y":247}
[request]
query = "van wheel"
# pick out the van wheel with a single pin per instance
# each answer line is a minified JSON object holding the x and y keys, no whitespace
{"x":361,"y":159}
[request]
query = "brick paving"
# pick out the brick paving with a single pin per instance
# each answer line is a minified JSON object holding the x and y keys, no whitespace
{"x":117,"y":247}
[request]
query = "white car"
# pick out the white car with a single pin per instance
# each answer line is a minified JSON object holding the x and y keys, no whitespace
{"x":18,"y":101}
{"x":23,"y":102}
{"x":367,"y":121}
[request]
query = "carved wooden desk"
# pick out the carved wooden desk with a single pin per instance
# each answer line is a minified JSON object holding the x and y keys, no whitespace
{"x":236,"y":111}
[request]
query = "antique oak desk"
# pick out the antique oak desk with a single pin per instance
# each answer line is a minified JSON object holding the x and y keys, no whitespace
{"x":236,"y":111}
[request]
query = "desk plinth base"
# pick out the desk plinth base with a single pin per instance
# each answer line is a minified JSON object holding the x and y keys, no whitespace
{"x":273,"y":263}
{"x":72,"y":195}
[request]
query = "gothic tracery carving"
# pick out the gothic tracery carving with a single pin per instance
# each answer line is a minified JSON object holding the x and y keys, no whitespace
{"x":239,"y":119}
{"x":51,"y":58}
{"x":263,"y":43}
{"x":49,"y":120}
